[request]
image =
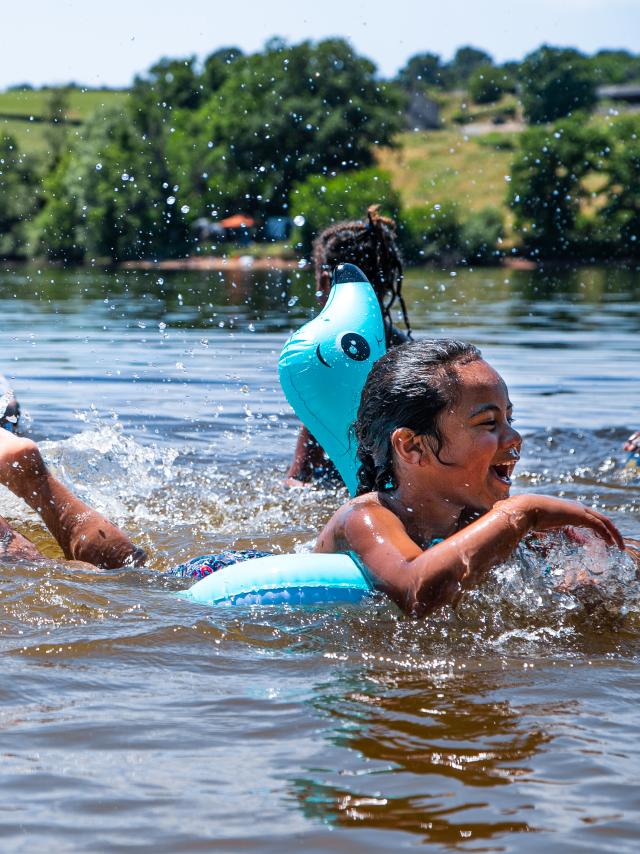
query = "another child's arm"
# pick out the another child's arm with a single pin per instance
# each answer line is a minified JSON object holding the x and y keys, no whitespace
{"x":308,"y":458}
{"x":82,"y":533}
{"x":421,"y":581}
{"x":633,"y":442}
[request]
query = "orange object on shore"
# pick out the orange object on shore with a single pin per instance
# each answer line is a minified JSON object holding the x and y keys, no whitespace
{"x":237,"y":221}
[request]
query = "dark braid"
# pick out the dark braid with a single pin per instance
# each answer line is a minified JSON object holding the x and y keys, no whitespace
{"x":371,"y":245}
{"x":407,"y":387}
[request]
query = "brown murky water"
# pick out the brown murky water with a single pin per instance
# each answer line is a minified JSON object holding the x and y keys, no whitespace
{"x":130,"y":718}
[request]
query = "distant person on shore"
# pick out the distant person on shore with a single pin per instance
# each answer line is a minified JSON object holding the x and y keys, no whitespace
{"x":9,"y":406}
{"x":370,"y":244}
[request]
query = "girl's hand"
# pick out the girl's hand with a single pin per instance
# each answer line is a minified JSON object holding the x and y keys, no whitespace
{"x":633,"y":442}
{"x":545,"y":512}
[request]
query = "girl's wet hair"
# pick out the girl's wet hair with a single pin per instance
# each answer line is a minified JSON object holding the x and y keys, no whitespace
{"x":370,"y":244}
{"x":408,"y":387}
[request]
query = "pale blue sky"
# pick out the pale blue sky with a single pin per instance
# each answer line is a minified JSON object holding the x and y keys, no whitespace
{"x":106,"y":43}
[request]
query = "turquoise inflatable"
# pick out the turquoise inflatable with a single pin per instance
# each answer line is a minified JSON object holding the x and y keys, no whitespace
{"x":323,"y":366}
{"x":291,"y":579}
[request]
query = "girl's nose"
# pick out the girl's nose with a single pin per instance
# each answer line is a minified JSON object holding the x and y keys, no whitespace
{"x":513,"y":439}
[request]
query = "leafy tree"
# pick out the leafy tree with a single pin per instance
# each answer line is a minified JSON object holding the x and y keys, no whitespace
{"x":620,"y":215}
{"x":480,"y":235}
{"x":422,"y":70}
{"x":169,"y":85}
{"x":510,"y":71}
{"x":218,"y":66}
{"x":615,"y":67}
{"x":56,"y":108}
{"x":555,"y":82}
{"x":431,"y":232}
{"x":283,"y":114}
{"x":110,"y":197}
{"x":465,"y":61}
{"x":320,"y":201}
{"x":19,"y":198}
{"x":547,"y":189}
{"x":486,"y":84}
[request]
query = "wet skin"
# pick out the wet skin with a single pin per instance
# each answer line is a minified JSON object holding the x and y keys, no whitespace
{"x":82,"y":533}
{"x":439,"y":493}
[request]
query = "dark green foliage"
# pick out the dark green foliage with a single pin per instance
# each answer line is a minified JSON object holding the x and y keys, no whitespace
{"x":110,"y":198}
{"x":547,"y":190}
{"x":615,"y":67}
{"x":555,"y":82}
{"x":422,"y":70}
{"x":431,"y":232}
{"x":169,"y":85}
{"x":621,"y":212}
{"x":217,"y":67}
{"x":486,"y":84}
{"x":19,"y":198}
{"x":55,"y":113}
{"x":322,"y":201}
{"x":283,"y":114}
{"x":480,"y":235}
{"x":465,"y":61}
{"x":439,"y":232}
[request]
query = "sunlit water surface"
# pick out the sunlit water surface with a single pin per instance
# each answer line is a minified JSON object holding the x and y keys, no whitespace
{"x":131,"y":718}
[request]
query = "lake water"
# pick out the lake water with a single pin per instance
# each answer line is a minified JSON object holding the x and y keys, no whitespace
{"x":132,"y":719}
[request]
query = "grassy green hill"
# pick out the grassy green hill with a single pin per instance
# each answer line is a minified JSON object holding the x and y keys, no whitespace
{"x":433,"y":166}
{"x":24,"y":113}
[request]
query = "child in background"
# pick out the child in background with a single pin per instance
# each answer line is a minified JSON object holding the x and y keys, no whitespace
{"x":632,"y":447}
{"x":437,"y":448}
{"x":9,"y":407}
{"x":371,"y":245}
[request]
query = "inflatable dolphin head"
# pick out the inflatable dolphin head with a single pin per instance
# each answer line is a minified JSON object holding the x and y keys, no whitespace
{"x":324,"y":365}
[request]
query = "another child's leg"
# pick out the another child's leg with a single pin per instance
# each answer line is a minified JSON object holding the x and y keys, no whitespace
{"x":82,"y":533}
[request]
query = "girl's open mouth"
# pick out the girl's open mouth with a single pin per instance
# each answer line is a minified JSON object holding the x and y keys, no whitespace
{"x":503,"y":471}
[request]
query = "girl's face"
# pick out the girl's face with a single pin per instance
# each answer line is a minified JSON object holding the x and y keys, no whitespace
{"x":479,"y":441}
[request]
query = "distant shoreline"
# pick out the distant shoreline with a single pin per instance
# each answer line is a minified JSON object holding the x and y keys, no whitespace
{"x":213,"y":262}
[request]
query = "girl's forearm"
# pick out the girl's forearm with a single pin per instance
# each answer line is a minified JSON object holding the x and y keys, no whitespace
{"x":460,"y":561}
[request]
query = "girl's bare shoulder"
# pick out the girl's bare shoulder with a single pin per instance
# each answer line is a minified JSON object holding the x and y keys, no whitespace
{"x":366,"y":512}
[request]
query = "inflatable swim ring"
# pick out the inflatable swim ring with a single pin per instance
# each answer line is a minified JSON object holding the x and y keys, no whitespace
{"x":324,"y":365}
{"x":291,"y":579}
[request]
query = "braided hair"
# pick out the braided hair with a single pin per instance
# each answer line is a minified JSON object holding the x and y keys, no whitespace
{"x":407,"y":387}
{"x":371,"y":245}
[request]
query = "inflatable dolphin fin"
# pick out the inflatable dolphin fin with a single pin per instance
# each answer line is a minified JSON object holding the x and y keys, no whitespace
{"x":324,"y":365}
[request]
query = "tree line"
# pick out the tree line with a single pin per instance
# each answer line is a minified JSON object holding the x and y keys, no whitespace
{"x":292,"y":130}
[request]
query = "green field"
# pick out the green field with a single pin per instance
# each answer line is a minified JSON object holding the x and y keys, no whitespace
{"x":23,"y":113}
{"x":450,"y":165}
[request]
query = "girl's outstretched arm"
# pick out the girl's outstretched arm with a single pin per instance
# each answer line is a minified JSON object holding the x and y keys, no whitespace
{"x":421,"y":581}
{"x":82,"y":533}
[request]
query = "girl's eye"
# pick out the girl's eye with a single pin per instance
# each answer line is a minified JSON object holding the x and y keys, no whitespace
{"x":510,"y":419}
{"x":490,"y":424}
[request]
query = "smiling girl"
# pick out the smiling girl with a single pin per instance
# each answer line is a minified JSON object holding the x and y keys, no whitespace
{"x":437,"y":445}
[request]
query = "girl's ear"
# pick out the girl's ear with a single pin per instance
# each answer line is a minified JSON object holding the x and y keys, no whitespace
{"x":409,"y":446}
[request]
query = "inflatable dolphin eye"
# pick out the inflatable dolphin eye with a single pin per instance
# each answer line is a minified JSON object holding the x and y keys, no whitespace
{"x":324,"y":365}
